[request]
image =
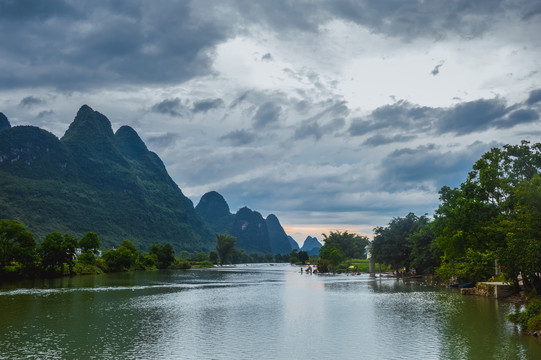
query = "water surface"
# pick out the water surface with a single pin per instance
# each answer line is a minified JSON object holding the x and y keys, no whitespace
{"x":250,"y":312}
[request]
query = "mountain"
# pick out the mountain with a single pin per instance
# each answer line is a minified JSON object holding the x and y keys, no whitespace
{"x":4,"y":123}
{"x":253,"y":233}
{"x":311,"y":246}
{"x":294,"y":245}
{"x":278,"y":238}
{"x":93,"y":179}
{"x":215,"y":211}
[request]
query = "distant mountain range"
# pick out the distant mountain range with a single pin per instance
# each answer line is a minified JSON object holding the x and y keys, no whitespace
{"x":93,"y":179}
{"x":253,"y":232}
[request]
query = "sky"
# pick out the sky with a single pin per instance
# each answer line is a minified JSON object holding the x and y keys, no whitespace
{"x":332,"y":115}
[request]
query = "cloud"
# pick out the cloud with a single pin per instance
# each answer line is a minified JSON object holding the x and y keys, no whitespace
{"x":239,"y":137}
{"x":172,"y":107}
{"x":164,"y":140}
{"x":267,"y":114}
{"x":267,"y":57}
{"x":401,"y":115}
{"x":534,"y":98}
{"x":206,"y":105}
{"x":378,"y":140}
{"x":436,"y":69}
{"x":429,"y":166}
{"x":472,"y":116}
{"x":30,"y":101}
{"x":45,"y":113}
{"x":312,"y":128}
{"x":78,"y":45}
{"x":521,"y":116}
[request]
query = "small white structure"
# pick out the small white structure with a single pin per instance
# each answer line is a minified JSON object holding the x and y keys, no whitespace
{"x":371,"y":264}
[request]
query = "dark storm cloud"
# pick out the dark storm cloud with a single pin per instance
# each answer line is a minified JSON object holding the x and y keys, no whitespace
{"x":206,"y":105}
{"x":30,"y":101}
{"x":430,"y":165}
{"x":401,"y":115}
{"x":164,"y":140}
{"x":239,"y":137}
{"x":75,"y":45}
{"x":534,"y":98}
{"x":267,"y":114}
{"x":472,"y":116}
{"x":433,"y":19}
{"x":45,"y":113}
{"x":379,"y":139}
{"x":521,"y":116}
{"x":172,"y":107}
{"x":78,"y":45}
{"x":461,"y":119}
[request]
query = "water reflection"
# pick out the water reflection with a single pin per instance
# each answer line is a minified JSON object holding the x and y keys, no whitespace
{"x":267,"y":312}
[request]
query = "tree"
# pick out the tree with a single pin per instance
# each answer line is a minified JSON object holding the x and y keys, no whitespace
{"x":57,"y":250}
{"x":16,"y":245}
{"x":294,"y":256}
{"x":522,"y":255}
{"x":90,"y":242}
{"x":331,"y":254}
{"x":390,"y":245}
{"x":165,"y":255}
{"x":225,"y":244}
{"x":486,"y":214}
{"x":213,"y":257}
{"x":425,"y":255}
{"x":351,"y":245}
{"x":303,"y":257}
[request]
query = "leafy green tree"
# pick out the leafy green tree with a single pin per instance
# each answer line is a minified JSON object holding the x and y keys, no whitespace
{"x":121,"y":259}
{"x":90,"y":242}
{"x":425,"y":255}
{"x":351,"y":245}
{"x":522,"y":255}
{"x":165,"y":255}
{"x":213,"y":257}
{"x":332,"y":254}
{"x":486,"y":214}
{"x":225,"y":244}
{"x":303,"y":257}
{"x":16,"y":245}
{"x":294,"y":257}
{"x":200,"y":257}
{"x":56,"y":251}
{"x":390,"y":244}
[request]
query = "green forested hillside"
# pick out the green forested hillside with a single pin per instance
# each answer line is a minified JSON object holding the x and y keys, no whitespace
{"x":95,"y":180}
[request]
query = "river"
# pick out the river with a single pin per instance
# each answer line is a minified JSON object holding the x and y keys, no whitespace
{"x":252,"y":312}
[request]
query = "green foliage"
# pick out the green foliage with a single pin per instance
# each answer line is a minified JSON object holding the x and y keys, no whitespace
{"x":164,"y":254}
{"x":352,"y":245}
{"x":474,"y":267}
{"x":323,"y":265}
{"x":530,"y":318}
{"x":90,"y":242}
{"x":495,"y":211}
{"x":392,"y":244}
{"x":213,"y":257}
{"x":17,"y":246}
{"x":122,"y":259}
{"x":303,"y":257}
{"x":332,"y":253}
{"x":56,"y":251}
{"x":225,"y":244}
